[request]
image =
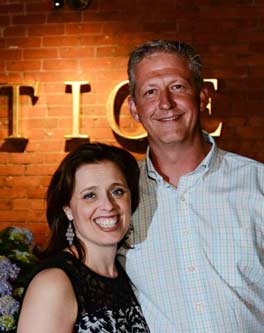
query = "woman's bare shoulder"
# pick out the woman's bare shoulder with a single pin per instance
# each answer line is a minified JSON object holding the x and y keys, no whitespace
{"x":49,"y":303}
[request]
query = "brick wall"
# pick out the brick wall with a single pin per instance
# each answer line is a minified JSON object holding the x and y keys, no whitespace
{"x":39,"y":43}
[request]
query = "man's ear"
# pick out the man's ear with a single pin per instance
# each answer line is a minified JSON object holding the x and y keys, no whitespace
{"x":204,"y":98}
{"x":68,"y":212}
{"x":133,"y":108}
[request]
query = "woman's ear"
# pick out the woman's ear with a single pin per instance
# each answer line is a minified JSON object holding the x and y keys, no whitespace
{"x":204,"y":98}
{"x":68,"y":212}
{"x":133,"y":108}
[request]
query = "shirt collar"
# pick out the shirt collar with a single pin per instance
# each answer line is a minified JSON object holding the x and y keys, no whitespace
{"x":151,"y":171}
{"x":206,"y":163}
{"x":210,"y":157}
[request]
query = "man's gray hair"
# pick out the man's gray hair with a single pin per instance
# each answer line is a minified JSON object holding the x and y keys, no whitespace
{"x":173,"y":47}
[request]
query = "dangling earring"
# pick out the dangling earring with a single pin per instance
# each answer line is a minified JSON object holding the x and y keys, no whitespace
{"x":131,"y":228}
{"x":131,"y":235}
{"x":70,"y":233}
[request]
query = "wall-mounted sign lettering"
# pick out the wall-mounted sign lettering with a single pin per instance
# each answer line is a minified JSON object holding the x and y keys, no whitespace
{"x":76,"y":92}
{"x":76,"y":88}
{"x":218,"y":130}
{"x":30,"y":89}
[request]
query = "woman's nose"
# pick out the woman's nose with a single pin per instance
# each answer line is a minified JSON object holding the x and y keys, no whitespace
{"x":108,"y":202}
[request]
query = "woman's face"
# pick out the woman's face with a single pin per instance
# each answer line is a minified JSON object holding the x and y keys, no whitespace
{"x":100,"y":206}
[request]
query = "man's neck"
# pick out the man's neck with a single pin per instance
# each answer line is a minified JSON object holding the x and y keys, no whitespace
{"x":172,"y":162}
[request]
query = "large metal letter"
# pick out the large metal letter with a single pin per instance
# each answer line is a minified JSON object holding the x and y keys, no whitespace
{"x":217,"y":132}
{"x":76,"y":91}
{"x":110,"y":110}
{"x":15,"y":134}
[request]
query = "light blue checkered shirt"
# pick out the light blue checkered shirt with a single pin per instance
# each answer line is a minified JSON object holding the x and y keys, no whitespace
{"x":198,"y":259}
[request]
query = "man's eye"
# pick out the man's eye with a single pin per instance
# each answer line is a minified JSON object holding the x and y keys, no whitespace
{"x":150,"y":92}
{"x":90,"y":195}
{"x":177,"y":87}
{"x":118,"y":192}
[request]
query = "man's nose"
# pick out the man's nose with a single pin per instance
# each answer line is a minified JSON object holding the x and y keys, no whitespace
{"x":166,"y":99}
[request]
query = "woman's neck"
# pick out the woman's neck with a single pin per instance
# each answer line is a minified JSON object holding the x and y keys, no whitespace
{"x":102,"y":261}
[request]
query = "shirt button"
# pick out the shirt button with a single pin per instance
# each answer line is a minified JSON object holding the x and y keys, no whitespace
{"x":200,"y":306}
{"x":191,"y":269}
{"x":182,"y":198}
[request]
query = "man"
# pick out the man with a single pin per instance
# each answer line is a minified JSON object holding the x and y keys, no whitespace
{"x":198,"y":256}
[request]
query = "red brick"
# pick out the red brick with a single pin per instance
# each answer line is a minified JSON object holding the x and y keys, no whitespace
{"x":46,"y":30}
{"x":47,"y":146}
{"x":4,"y":20}
{"x":250,"y":132}
{"x":62,"y":41}
{"x":10,"y":77}
{"x":83,"y":28}
{"x":60,"y":112}
{"x":59,"y":99}
{"x":256,"y":121}
{"x":34,"y":133}
{"x":23,"y":42}
{"x":26,"y":181}
{"x":20,"y":204}
{"x":26,"y":158}
{"x":14,"y":31}
{"x":2,"y":43}
{"x":37,"y":227}
{"x":51,"y":87}
{"x":11,"y":8}
{"x":64,"y":17}
{"x":52,"y":158}
{"x":12,"y":170}
{"x":97,"y":39}
{"x":5,"y":204}
{"x":18,"y":192}
{"x":71,"y":52}
{"x":10,"y":54}
{"x":38,"y":6}
{"x":63,"y":65}
{"x":37,"y":192}
{"x":50,"y":77}
{"x":40,"y":53}
{"x":23,"y":65}
{"x":29,"y":19}
{"x":37,"y":204}
{"x":35,"y":215}
{"x":40,"y":169}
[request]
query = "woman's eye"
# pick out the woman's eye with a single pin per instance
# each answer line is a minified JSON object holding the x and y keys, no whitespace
{"x":118,"y":192}
{"x":89,"y":195}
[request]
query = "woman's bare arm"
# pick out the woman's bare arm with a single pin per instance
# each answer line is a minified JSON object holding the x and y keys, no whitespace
{"x":49,"y":304}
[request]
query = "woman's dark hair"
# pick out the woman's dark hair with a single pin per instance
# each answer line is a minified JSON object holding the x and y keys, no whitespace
{"x":62,"y":184}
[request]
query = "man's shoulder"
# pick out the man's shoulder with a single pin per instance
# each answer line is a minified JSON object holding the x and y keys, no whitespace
{"x":142,"y":164}
{"x":234,"y":162}
{"x":240,"y":159}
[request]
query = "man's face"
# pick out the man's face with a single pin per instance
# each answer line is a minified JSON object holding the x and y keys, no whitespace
{"x":166,"y":102}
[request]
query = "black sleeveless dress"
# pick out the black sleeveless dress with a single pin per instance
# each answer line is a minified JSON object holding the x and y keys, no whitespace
{"x":105,"y":305}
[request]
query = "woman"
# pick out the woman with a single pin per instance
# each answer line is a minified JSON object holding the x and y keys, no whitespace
{"x":81,"y":287}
